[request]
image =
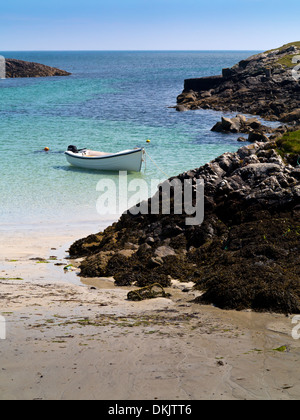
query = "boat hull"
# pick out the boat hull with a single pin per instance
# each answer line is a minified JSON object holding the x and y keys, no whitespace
{"x":128,"y":160}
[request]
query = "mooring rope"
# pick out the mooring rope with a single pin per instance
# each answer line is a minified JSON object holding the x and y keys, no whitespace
{"x":156,"y":164}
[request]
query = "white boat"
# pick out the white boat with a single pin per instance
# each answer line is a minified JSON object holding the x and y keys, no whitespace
{"x":126,"y":160}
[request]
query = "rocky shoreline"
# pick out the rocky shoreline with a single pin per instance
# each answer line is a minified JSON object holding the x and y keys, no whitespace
{"x":265,"y":84}
{"x":252,"y":127}
{"x":18,"y":68}
{"x":245,"y":254}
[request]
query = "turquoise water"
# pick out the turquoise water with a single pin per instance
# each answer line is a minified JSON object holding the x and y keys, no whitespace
{"x":112,"y":101}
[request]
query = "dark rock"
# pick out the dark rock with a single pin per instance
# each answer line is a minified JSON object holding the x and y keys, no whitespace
{"x":291,"y":116}
{"x":181,"y":108}
{"x":143,"y":249}
{"x":257,"y":136}
{"x":240,"y":124}
{"x":148,"y":292}
{"x":218,"y":127}
{"x":246,"y":252}
{"x":19,"y":68}
{"x":205,"y":83}
{"x":164,"y":251}
{"x":261,"y":85}
{"x":87,"y":246}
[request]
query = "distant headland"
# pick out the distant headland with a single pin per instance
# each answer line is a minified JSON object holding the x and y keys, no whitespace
{"x":265,"y":84}
{"x":18,"y":68}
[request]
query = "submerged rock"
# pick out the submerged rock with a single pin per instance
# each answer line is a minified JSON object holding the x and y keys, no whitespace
{"x":245,"y":254}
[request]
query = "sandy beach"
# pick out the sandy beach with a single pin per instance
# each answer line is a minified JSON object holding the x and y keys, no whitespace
{"x":196,"y":133}
{"x":72,"y":338}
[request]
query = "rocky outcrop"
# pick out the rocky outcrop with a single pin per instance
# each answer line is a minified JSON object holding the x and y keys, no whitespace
{"x":240,"y":124}
{"x":19,"y":68}
{"x":255,"y":130}
{"x":246,"y":252}
{"x":266,"y":84}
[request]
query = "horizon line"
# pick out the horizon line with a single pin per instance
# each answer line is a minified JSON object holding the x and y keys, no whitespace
{"x":134,"y":50}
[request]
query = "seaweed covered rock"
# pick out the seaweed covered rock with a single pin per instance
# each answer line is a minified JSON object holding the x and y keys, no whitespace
{"x":86,"y":246}
{"x":148,"y":292}
{"x":245,"y":254}
{"x":257,"y":266}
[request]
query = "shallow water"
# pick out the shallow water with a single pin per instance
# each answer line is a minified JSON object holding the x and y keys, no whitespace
{"x":113,"y":101}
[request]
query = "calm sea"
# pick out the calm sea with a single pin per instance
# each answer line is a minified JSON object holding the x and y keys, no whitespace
{"x":113,"y":101}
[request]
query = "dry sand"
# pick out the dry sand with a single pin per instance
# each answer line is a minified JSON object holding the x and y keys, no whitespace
{"x":73,"y":339}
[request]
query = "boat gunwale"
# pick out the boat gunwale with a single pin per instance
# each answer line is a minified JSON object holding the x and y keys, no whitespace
{"x":71,"y":154}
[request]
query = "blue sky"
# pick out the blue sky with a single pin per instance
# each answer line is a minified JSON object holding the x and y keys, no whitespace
{"x":148,"y":24}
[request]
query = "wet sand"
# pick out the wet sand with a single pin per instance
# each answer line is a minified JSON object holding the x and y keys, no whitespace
{"x":72,"y":338}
